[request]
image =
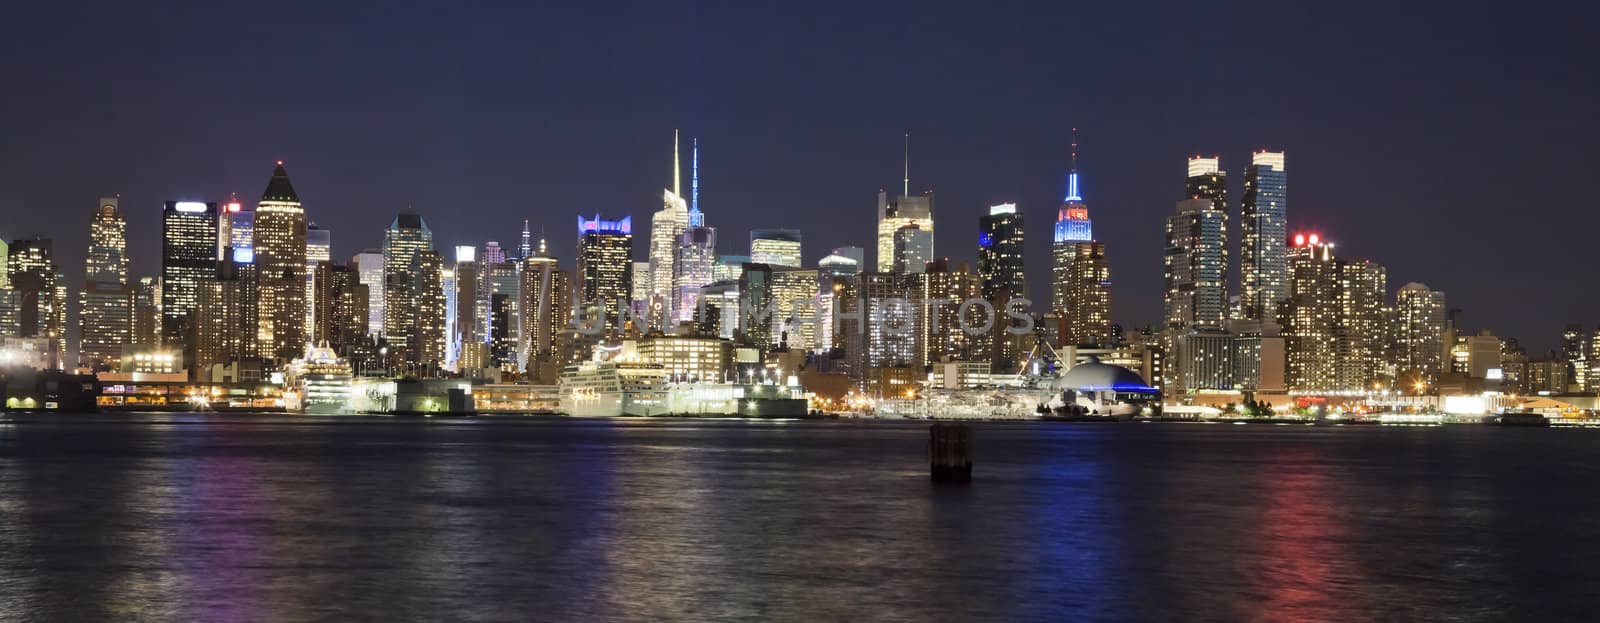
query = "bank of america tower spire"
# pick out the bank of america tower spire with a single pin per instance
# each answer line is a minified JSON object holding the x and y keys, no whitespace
{"x":666,"y":230}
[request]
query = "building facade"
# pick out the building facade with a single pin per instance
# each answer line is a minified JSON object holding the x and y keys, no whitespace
{"x":1263,"y":216}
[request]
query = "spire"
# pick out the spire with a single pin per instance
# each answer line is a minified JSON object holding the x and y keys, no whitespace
{"x":677,"y":188}
{"x":1072,"y":176}
{"x":694,"y":175}
{"x":543,"y":252}
{"x":525,"y":249}
{"x":905,"y":190}
{"x":279,"y":188}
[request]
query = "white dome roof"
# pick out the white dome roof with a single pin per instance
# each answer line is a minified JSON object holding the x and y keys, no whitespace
{"x":1093,"y":375}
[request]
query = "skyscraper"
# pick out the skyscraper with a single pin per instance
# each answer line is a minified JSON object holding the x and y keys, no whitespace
{"x":147,"y":312}
{"x":899,"y":212}
{"x":913,"y":249}
{"x":1419,"y":331}
{"x":835,"y":273}
{"x":405,"y":285}
{"x":188,"y":255}
{"x":1206,"y":180}
{"x":105,"y":308}
{"x":501,"y":279}
{"x":1000,"y":252}
{"x":223,"y":325}
{"x":1087,"y":321}
{"x":1196,"y":265}
{"x":666,"y":234}
{"x":525,"y":250}
{"x":756,"y":305}
{"x":492,"y":253}
{"x":605,"y":268}
{"x":1081,"y":288}
{"x":39,"y":296}
{"x":280,"y":260}
{"x":370,"y":265}
{"x":945,"y":290}
{"x":427,"y":338}
{"x":1263,"y":217}
{"x":697,"y":252}
{"x":468,"y":329}
{"x":794,"y":292}
{"x":546,"y":307}
{"x":776,"y":247}
{"x":319,"y":248}
{"x":882,"y":325}
{"x":341,"y":314}
{"x":1333,"y":319}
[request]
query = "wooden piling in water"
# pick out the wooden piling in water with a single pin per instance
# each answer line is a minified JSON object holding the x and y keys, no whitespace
{"x":950,"y":452}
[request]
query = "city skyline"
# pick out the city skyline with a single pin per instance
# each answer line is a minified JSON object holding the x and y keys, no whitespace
{"x":1412,"y":174}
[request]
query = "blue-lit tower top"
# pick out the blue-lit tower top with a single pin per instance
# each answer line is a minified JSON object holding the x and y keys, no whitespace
{"x":1072,"y":220}
{"x":598,"y":225}
{"x":696,"y":218}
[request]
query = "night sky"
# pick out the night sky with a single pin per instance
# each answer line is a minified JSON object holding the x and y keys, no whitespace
{"x":1452,"y":142}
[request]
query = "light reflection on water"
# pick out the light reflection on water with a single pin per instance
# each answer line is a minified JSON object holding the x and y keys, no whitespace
{"x":232,"y":518}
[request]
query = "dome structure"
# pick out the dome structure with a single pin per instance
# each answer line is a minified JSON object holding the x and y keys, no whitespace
{"x":1092,"y":375}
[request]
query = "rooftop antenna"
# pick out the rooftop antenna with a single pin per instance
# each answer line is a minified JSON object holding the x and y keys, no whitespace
{"x":694,"y":175}
{"x":676,"y":187}
{"x":905,"y":191}
{"x":1072,"y":176}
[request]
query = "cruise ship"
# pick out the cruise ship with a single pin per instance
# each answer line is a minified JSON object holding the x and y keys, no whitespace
{"x":319,"y":383}
{"x":613,"y":388}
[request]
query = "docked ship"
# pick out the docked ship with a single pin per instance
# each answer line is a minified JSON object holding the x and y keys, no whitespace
{"x":613,"y":388}
{"x":318,"y":383}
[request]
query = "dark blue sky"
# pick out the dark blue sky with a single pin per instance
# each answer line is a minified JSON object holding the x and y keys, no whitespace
{"x":1452,"y":142}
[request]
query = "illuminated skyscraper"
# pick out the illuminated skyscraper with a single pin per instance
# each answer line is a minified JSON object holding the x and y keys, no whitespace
{"x":1206,"y":180}
{"x":757,"y":305}
{"x":39,"y":295}
{"x":501,"y":279}
{"x":835,"y":273}
{"x":427,"y":337}
{"x":666,"y":234}
{"x":492,"y":253}
{"x":945,"y":291}
{"x":147,"y":312}
{"x":319,"y":248}
{"x":188,"y":255}
{"x":1196,"y":266}
{"x":280,"y":260}
{"x":107,"y":259}
{"x":1263,"y":220}
{"x":1333,"y":319}
{"x":525,"y":250}
{"x":1000,"y":252}
{"x":241,"y":226}
{"x":881,"y":325}
{"x":605,"y":267}
{"x":697,"y":252}
{"x":1420,"y":316}
{"x":405,"y":285}
{"x":794,"y":291}
{"x":776,"y":247}
{"x":370,"y":265}
{"x":1081,"y":286}
{"x":223,"y":326}
{"x":1087,"y":321}
{"x":105,"y":310}
{"x":466,"y":325}
{"x":913,"y":249}
{"x":546,"y":307}
{"x":899,"y":212}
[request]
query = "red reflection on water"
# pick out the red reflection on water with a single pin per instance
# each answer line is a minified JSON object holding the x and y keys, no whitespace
{"x":1305,"y":561}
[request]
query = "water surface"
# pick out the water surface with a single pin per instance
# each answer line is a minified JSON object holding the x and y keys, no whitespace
{"x":244,"y":518}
